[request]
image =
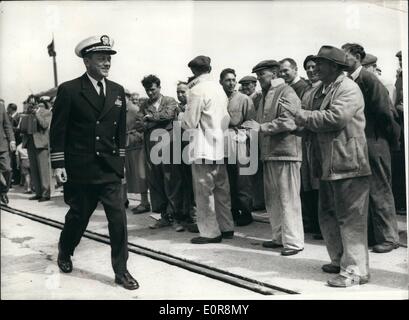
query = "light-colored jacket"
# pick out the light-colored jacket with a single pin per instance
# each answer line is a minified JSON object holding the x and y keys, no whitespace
{"x":278,"y":143}
{"x":339,"y":128}
{"x":206,"y":113}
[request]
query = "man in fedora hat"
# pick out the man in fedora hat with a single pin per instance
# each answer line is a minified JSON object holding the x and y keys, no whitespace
{"x":280,"y":151}
{"x":87,"y":140}
{"x":336,"y":117}
{"x":382,"y":135}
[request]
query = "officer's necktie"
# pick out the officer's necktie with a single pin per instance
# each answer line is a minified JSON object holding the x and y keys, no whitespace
{"x":101,"y":90}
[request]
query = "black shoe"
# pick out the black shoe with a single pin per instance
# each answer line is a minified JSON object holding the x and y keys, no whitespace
{"x":192,"y":227}
{"x":4,"y":199}
{"x":290,"y":252}
{"x":330,"y":268}
{"x":385,"y":247}
{"x":227,"y":234}
{"x":44,"y":199}
{"x":204,"y":240}
{"x":141,"y":209}
{"x":127,"y":281}
{"x":35,"y":197}
{"x":271,"y":245}
{"x":64,"y":263}
{"x":244,"y":220}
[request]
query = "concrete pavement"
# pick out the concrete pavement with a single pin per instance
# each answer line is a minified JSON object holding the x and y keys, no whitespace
{"x":245,"y":256}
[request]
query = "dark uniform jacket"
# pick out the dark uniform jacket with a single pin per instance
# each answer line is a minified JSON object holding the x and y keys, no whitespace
{"x":87,"y":136}
{"x":6,"y":130}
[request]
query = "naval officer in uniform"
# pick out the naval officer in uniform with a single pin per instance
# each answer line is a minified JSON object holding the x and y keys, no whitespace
{"x":87,"y":141}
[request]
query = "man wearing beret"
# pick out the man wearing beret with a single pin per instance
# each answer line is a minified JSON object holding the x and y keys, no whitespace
{"x":249,"y":84}
{"x":206,"y":119}
{"x":382,"y":134}
{"x":280,"y":151}
{"x":87,"y":139}
{"x":289,"y":72}
{"x":241,"y":109}
{"x":336,"y":117}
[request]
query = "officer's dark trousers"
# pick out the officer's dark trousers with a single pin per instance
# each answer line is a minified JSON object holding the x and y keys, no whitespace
{"x":240,"y":190}
{"x":165,"y":186}
{"x":382,"y":213}
{"x":83,"y":199}
{"x":343,"y":218}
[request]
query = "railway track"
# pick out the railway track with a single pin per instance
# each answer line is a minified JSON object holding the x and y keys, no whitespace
{"x":211,"y":272}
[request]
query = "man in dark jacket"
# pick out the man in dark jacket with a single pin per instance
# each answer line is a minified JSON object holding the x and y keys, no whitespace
{"x":87,"y":139}
{"x":165,"y":177}
{"x":382,"y":134}
{"x":289,"y":72}
{"x":7,"y":143}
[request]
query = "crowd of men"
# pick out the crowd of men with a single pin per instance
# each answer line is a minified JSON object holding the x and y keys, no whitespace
{"x":330,"y":154}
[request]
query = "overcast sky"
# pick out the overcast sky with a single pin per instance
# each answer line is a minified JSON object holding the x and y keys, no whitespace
{"x":162,"y":37}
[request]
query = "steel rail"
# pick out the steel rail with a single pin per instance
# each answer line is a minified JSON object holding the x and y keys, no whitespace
{"x":211,"y":272}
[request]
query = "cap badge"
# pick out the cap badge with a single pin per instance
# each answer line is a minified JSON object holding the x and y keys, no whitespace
{"x":105,"y":40}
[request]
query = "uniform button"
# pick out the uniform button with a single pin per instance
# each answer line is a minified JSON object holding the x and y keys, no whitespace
{"x":113,"y":138}
{"x":114,"y":122}
{"x":97,"y":153}
{"x":97,"y":138}
{"x":97,"y":122}
{"x":114,"y":152}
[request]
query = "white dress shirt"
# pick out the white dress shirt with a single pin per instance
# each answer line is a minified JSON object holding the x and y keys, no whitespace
{"x":95,"y":84}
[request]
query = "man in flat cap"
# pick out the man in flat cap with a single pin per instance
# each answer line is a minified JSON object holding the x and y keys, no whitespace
{"x":280,"y":151}
{"x":382,"y":135}
{"x":241,"y":109}
{"x":87,"y":139}
{"x":249,"y":84}
{"x":336,"y":117}
{"x":289,"y":72}
{"x":206,"y":119}
{"x":369,"y":63}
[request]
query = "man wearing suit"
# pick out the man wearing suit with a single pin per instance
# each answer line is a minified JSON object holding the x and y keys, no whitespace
{"x":37,"y":147}
{"x":289,"y":72}
{"x":7,"y":142}
{"x":382,"y":134}
{"x":87,"y":137}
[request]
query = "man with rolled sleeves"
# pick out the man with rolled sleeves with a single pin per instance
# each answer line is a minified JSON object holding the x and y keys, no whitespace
{"x":281,"y":153}
{"x":337,"y":120}
{"x":87,"y":139}
{"x":382,"y":135}
{"x":241,"y":109}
